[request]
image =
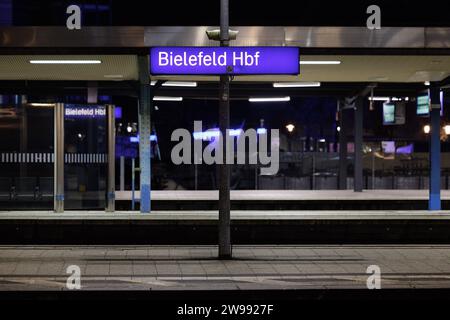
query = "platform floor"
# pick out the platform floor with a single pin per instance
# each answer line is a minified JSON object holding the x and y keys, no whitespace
{"x":286,"y":195}
{"x":235,"y":215}
{"x":196,"y":267}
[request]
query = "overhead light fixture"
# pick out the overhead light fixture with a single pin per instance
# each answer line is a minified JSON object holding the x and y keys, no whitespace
{"x":320,"y":62}
{"x":379,"y":98}
{"x":378,"y":78}
{"x":113,"y":76}
{"x":41,"y":104}
{"x":176,"y":83}
{"x":290,"y":127}
{"x":215,"y":133}
{"x":295,"y":84}
{"x":165,"y":98}
{"x":65,"y":61}
{"x":179,"y":84}
{"x":426,"y":129}
{"x":447,"y":129}
{"x":388,"y":98}
{"x":261,"y":131}
{"x":153,"y":137}
{"x":427,"y":83}
{"x":272,"y":99}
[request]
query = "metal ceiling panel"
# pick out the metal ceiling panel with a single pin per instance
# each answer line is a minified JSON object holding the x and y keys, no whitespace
{"x":307,"y":37}
{"x":61,"y":37}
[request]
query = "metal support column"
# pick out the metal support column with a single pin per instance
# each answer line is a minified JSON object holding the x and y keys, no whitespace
{"x":358,"y":140}
{"x":144,"y":133}
{"x":224,"y":124}
{"x":133,"y":182}
{"x":23,"y":168}
{"x":434,"y":202}
{"x":342,"y":148}
{"x":111,"y":188}
{"x":122,"y":173}
{"x":58,"y":163}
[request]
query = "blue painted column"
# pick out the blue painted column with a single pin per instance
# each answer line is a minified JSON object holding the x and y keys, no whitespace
{"x":144,"y":133}
{"x":434,"y":202}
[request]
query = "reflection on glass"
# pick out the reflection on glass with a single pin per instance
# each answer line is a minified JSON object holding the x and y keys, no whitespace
{"x":85,"y":169}
{"x":26,"y":154}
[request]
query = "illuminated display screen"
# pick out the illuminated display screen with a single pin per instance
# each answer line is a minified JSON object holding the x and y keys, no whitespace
{"x":423,"y":105}
{"x":388,"y":113}
{"x":118,"y":112}
{"x":388,"y":146}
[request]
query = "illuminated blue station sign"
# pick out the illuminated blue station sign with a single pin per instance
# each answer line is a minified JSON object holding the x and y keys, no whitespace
{"x":224,"y":60}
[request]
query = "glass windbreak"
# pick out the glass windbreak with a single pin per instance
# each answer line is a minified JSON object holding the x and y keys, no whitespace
{"x":395,"y":153}
{"x":395,"y":149}
{"x":85,"y":156}
{"x":26,"y":154}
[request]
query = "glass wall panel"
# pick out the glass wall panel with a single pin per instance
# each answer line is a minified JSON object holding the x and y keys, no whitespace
{"x":26,"y":154}
{"x":85,"y":157}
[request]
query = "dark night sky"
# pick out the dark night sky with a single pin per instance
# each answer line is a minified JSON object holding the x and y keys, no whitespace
{"x":242,"y":12}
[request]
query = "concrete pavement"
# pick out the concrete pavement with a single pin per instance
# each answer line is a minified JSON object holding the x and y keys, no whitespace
{"x":196,"y":268}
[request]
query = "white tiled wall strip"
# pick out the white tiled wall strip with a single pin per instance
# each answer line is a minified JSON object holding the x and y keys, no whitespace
{"x":14,"y":157}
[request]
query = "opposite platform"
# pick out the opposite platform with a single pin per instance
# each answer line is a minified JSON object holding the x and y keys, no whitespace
{"x":286,"y":195}
{"x":247,"y":227}
{"x":288,"y":199}
{"x":238,"y":215}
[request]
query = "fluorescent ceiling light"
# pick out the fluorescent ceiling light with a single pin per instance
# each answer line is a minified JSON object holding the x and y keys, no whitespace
{"x":261,"y":131}
{"x":176,"y":83}
{"x":379,"y":98}
{"x":41,"y":104}
{"x":273,"y":99}
{"x":179,"y":84}
{"x":113,"y":76}
{"x":320,"y":62}
{"x":295,"y":84}
{"x":164,"y":98}
{"x":215,"y":133}
{"x":65,"y":61}
{"x":379,"y":78}
{"x":388,"y":99}
{"x":153,"y":137}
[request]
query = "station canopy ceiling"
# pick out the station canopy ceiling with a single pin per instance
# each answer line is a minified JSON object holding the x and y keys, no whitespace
{"x":353,"y":68}
{"x":112,"y":67}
